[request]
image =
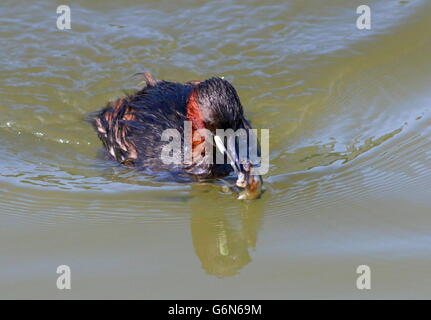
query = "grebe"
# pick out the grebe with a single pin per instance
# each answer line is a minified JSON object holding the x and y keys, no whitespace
{"x":131,"y":127}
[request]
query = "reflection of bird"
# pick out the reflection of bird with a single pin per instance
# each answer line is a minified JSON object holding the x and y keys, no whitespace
{"x":223,"y":248}
{"x":131,"y":128}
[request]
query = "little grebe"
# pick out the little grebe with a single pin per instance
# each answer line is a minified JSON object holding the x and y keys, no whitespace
{"x":131,"y":127}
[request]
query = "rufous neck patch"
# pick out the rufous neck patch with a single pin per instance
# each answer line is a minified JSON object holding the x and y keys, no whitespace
{"x":194,"y":115}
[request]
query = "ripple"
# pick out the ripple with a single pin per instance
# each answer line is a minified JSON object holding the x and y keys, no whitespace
{"x":341,"y":108}
{"x":399,"y":166}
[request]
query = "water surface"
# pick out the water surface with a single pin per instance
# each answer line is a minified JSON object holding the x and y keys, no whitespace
{"x":350,"y":141}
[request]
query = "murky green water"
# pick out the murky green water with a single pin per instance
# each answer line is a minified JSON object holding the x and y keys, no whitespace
{"x":349,"y":113}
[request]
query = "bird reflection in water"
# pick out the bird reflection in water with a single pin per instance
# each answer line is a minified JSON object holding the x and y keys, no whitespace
{"x":222,"y":240}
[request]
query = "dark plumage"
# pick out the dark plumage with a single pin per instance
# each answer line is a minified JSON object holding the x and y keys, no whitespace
{"x":131,"y":127}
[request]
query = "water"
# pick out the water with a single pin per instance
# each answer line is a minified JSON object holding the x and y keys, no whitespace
{"x":350,"y":136}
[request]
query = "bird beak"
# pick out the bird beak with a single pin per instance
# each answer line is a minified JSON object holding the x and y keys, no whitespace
{"x":245,"y":179}
{"x":231,"y":154}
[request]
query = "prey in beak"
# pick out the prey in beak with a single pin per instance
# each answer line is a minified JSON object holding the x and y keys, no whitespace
{"x":252,"y":184}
